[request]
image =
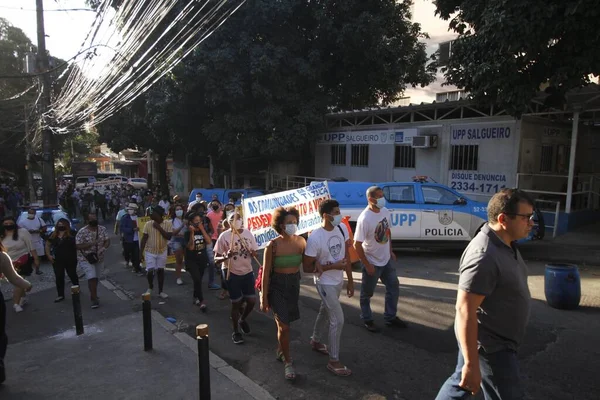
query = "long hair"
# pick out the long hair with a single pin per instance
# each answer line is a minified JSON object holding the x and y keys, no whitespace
{"x":16,"y":231}
{"x":65,"y":222}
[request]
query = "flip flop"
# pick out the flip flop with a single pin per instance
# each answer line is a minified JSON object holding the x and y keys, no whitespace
{"x":319,"y":347}
{"x":340,"y":371}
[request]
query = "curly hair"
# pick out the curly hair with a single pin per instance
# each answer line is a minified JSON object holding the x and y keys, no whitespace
{"x":279,"y":215}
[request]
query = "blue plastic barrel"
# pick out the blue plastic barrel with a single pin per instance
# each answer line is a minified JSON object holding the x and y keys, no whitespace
{"x":562,"y":286}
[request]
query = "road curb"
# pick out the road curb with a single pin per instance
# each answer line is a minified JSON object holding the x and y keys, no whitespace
{"x":217,"y":363}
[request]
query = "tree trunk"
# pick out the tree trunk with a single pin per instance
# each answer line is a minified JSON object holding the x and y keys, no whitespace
{"x":232,"y":173}
{"x":162,"y":173}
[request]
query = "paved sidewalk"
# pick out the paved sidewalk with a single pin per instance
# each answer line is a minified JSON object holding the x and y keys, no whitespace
{"x":46,"y":360}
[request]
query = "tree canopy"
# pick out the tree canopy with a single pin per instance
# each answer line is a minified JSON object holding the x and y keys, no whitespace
{"x":262,"y":83}
{"x":506,"y":50}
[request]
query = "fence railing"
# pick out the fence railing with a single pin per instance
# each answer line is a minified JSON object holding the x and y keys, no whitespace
{"x":585,"y":196}
{"x":286,"y":182}
{"x":554,"y":226}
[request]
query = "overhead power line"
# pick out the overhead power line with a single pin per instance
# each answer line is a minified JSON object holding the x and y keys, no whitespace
{"x":47,"y":10}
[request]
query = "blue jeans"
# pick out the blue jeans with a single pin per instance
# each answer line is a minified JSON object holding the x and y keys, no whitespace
{"x":500,"y":377}
{"x":389,"y":278}
{"x":211,"y":264}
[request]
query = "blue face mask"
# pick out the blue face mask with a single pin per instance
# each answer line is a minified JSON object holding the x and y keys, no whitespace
{"x":381,"y":203}
{"x":337,"y":219}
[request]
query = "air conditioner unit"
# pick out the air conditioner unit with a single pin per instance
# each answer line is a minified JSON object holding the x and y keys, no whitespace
{"x":424,"y":142}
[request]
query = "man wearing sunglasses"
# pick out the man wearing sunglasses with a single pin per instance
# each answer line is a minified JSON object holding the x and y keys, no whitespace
{"x":493,"y":303}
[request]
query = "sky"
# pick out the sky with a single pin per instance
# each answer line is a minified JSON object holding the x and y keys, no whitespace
{"x":65,"y":30}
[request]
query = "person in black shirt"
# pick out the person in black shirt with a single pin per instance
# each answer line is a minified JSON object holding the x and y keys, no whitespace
{"x":62,"y":253}
{"x":196,"y":260}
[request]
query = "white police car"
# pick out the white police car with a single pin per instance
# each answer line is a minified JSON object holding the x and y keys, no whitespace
{"x":421,"y":211}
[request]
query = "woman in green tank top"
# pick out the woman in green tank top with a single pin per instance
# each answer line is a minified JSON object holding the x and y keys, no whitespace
{"x":281,"y":280}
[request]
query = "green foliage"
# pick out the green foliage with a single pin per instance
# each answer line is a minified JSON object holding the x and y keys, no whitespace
{"x":263,"y":82}
{"x":507,"y":49}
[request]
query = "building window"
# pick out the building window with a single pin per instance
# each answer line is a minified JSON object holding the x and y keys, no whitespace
{"x":404,"y":156}
{"x":546,"y":160}
{"x":464,"y":157}
{"x":360,"y":155}
{"x":445,"y":52}
{"x":338,"y":154}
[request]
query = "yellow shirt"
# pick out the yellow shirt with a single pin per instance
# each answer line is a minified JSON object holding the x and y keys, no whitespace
{"x":156,"y":243}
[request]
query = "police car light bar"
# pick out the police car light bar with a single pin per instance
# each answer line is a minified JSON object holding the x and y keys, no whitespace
{"x":420,"y":179}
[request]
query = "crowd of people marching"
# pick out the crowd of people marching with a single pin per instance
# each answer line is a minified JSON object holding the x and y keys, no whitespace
{"x":210,"y":237}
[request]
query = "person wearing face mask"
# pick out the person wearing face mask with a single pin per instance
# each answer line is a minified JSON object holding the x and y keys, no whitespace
{"x":193,"y":203}
{"x":61,"y":251}
{"x":373,"y":243}
{"x":326,"y":258}
{"x":196,"y":258}
{"x":177,"y":242}
{"x":130,"y":232}
{"x":36,"y":228}
{"x":215,"y":215}
{"x":92,"y":241}
{"x":281,"y":280}
{"x":236,"y":248}
{"x":17,"y":243}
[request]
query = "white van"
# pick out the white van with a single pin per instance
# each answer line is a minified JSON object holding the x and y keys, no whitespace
{"x":83,"y":181}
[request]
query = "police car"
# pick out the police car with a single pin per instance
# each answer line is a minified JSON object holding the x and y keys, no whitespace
{"x":421,"y":211}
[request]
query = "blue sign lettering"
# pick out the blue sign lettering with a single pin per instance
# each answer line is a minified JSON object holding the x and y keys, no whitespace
{"x":399,"y":137}
{"x":503,"y":132}
{"x":400,"y":219}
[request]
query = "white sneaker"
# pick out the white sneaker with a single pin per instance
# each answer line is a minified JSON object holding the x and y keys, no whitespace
{"x":149,"y":292}
{"x":179,"y":281}
{"x":17,"y":308}
{"x":163,"y":295}
{"x":23,"y":301}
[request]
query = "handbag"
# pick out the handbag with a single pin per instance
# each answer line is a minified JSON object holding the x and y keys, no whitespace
{"x":92,"y":258}
{"x":23,"y":265}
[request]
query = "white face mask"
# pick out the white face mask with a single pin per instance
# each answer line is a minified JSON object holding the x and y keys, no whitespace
{"x":291,"y":229}
{"x":237,"y":224}
{"x":179,"y":213}
{"x":381,"y":203}
{"x":30,"y":216}
{"x":337,"y":219}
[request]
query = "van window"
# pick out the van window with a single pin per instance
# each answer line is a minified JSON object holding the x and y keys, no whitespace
{"x":404,"y":194}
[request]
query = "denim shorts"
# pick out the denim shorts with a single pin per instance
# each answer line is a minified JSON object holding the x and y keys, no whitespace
{"x":176,"y":244}
{"x":241,"y":286}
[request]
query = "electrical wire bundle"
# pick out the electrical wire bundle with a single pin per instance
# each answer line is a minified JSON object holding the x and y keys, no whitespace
{"x":129,"y":49}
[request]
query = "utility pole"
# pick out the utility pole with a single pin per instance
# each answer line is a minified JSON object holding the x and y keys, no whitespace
{"x":29,"y":144}
{"x":48,"y":178}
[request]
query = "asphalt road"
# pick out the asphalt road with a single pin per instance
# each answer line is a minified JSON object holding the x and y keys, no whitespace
{"x":559,"y":359}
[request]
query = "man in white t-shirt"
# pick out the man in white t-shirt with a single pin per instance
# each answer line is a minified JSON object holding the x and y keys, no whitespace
{"x":373,"y":243}
{"x":325,"y":256}
{"x":36,"y":227}
{"x":236,"y":247}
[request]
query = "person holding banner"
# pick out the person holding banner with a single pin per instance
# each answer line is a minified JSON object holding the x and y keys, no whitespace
{"x":281,"y":280}
{"x":326,"y":257}
{"x":237,"y":247}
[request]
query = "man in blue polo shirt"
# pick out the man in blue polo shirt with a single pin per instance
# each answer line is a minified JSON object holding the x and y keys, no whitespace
{"x":493,"y":304}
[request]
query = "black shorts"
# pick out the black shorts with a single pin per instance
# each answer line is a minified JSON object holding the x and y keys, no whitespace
{"x":241,"y":286}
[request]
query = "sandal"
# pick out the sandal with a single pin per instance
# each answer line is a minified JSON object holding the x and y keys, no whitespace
{"x":340,"y":371}
{"x":319,"y":347}
{"x":279,"y":356}
{"x":290,"y":372}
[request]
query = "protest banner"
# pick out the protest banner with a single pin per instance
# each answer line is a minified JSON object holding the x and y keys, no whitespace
{"x":141,"y":222}
{"x":258,"y":211}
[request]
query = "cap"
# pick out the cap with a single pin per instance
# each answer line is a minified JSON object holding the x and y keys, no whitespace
{"x":132,"y":206}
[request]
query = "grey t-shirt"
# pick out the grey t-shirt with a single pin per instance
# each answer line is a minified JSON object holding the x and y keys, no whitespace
{"x":490,"y":268}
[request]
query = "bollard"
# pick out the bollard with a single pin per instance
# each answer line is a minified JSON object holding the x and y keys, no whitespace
{"x":147,"y":318}
{"x":77,"y":309}
{"x":203,"y":361}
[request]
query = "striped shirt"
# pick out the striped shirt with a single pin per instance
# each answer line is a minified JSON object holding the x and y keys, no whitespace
{"x":156,"y":243}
